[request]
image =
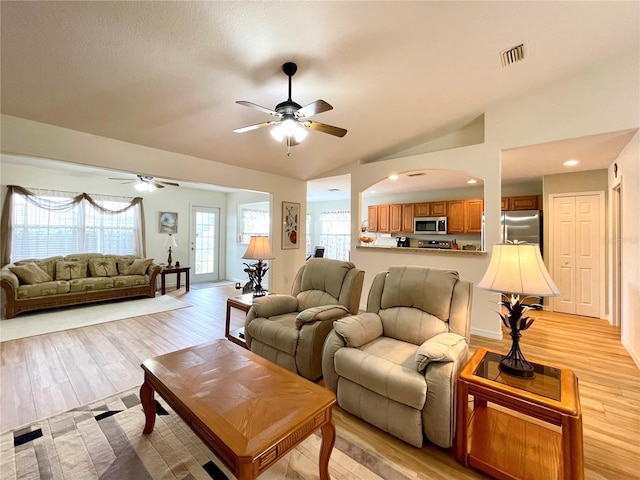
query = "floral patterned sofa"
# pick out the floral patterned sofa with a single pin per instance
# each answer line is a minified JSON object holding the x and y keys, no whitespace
{"x":34,"y":284}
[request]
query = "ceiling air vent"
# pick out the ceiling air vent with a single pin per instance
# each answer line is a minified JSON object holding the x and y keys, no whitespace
{"x":512,"y":55}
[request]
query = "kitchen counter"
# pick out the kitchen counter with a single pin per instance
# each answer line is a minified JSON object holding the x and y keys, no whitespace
{"x":427,"y":251}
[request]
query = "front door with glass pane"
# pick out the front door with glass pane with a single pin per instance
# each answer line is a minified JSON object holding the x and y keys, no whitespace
{"x":205,"y":244}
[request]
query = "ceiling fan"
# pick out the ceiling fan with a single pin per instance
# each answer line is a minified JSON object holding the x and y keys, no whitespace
{"x":147,"y":183}
{"x":292,"y":123}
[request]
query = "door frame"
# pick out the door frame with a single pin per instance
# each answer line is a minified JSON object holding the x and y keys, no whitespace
{"x":219,"y":241}
{"x":603,"y":252}
{"x":616,"y":253}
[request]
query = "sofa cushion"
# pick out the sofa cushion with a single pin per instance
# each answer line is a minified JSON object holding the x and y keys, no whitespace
{"x":70,"y":270}
{"x":122,"y":281}
{"x":103,"y":267}
{"x":43,"y":289}
{"x":387,"y":367}
{"x":47,"y":264}
{"x":136,"y":266}
{"x":30,"y":274}
{"x":90,"y":284}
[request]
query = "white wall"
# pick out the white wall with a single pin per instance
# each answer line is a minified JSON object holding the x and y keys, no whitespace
{"x":235,"y":250}
{"x":629,"y":178}
{"x":25,"y":137}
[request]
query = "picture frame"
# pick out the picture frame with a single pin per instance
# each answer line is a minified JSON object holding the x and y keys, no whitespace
{"x":290,"y":225}
{"x":168,"y":222}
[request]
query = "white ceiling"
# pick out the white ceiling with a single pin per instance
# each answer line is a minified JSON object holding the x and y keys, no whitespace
{"x":167,"y":74}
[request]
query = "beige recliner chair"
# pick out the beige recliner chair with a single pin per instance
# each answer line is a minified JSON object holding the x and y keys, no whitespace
{"x":290,"y":329}
{"x":396,"y":365}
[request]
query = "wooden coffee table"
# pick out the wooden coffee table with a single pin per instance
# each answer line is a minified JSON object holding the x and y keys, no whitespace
{"x":247,"y":410}
{"x":515,"y":440}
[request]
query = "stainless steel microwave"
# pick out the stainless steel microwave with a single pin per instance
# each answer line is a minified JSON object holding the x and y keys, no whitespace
{"x":430,"y":225}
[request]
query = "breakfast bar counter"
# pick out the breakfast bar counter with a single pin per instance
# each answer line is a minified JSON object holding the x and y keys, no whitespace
{"x":426,"y":251}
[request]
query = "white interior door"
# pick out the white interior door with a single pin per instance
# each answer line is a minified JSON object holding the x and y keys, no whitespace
{"x":205,"y":244}
{"x":577,"y":254}
{"x":564,"y":255}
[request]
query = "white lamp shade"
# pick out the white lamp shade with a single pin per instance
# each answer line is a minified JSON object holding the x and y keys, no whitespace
{"x":518,"y":269}
{"x":258,"y":249}
{"x":170,"y":241}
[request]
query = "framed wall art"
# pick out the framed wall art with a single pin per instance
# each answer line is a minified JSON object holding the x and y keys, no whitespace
{"x":168,"y":222}
{"x":290,"y":225}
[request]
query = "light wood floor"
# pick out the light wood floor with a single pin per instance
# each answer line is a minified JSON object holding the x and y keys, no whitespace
{"x":44,"y":375}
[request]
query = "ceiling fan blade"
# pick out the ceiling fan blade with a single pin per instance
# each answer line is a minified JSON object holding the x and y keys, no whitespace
{"x":170,"y":184}
{"x":248,"y":128}
{"x":156,"y":184}
{"x":126,"y":179}
{"x":324,"y":128}
{"x":258,"y":107}
{"x":314,"y":108}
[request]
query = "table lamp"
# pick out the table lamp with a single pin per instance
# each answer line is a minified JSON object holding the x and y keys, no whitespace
{"x":515,"y":270}
{"x":259,"y":249}
{"x":169,"y":241}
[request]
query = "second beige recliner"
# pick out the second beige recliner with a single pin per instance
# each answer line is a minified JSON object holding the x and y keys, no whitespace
{"x":290,"y":329}
{"x":396,"y":365}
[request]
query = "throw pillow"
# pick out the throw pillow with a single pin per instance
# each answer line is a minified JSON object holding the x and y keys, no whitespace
{"x":138,"y":266}
{"x":70,"y":270}
{"x":31,"y":274}
{"x":103,"y":267}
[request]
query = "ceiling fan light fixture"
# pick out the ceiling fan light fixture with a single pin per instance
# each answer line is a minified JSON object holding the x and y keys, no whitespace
{"x":277,"y":133}
{"x":289,"y":128}
{"x":142,"y":186}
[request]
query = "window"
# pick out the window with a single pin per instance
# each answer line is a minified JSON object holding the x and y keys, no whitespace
{"x":45,"y":223}
{"x":254,"y":220}
{"x":335,"y":234}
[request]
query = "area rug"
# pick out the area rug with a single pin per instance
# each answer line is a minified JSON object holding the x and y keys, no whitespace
{"x":38,"y":323}
{"x":104,"y":441}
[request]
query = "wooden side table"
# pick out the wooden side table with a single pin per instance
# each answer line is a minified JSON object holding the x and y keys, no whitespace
{"x":513,"y":447}
{"x":177,"y":270}
{"x":243,"y":303}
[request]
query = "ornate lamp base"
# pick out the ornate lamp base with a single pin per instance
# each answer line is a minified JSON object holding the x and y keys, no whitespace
{"x":517,"y":367}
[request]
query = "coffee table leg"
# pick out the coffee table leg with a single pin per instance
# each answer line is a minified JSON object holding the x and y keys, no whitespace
{"x":148,"y":406}
{"x":328,"y":440}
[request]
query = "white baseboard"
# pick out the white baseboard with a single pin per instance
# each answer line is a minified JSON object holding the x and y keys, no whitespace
{"x":487,"y":333}
{"x":634,"y":356}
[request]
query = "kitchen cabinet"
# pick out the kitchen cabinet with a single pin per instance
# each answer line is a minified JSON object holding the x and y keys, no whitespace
{"x":395,"y":218}
{"x":473,"y":217}
{"x":372,"y":218}
{"x":408,"y":212}
{"x":421,"y":210}
{"x":522,"y":202}
{"x":438,"y":209}
{"x":383,"y":218}
{"x":456,"y":216}
{"x":525,"y":202}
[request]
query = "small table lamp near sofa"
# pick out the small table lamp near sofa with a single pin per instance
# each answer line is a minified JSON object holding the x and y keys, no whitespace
{"x":169,"y":241}
{"x":516,"y":270}
{"x":259,"y":249}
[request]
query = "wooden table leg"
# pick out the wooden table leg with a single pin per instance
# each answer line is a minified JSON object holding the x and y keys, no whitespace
{"x":178,"y":274}
{"x":163,"y":285}
{"x":148,"y":406}
{"x":228,"y":321}
{"x":186,"y":272}
{"x":462,"y":422}
{"x":572,"y":448}
{"x":328,"y":441}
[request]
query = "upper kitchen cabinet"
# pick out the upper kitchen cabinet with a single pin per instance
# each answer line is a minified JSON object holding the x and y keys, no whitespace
{"x":408,"y":212}
{"x":457,"y":217}
{"x":521,"y":202}
{"x":395,"y":218}
{"x":438,"y":209}
{"x":421,"y":210}
{"x":474,"y":211}
{"x":372,"y":218}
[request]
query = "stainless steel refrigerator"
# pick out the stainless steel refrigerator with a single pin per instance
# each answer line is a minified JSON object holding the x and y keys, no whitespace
{"x":522,"y":226}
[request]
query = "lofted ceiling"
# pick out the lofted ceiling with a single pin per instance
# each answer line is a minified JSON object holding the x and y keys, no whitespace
{"x":167,"y":74}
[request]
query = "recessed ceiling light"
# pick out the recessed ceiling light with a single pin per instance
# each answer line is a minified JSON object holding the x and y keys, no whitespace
{"x":393,"y":177}
{"x":472,"y":181}
{"x":571,"y":163}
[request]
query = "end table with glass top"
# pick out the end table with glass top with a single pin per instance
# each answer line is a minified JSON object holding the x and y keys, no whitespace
{"x":491,"y":438}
